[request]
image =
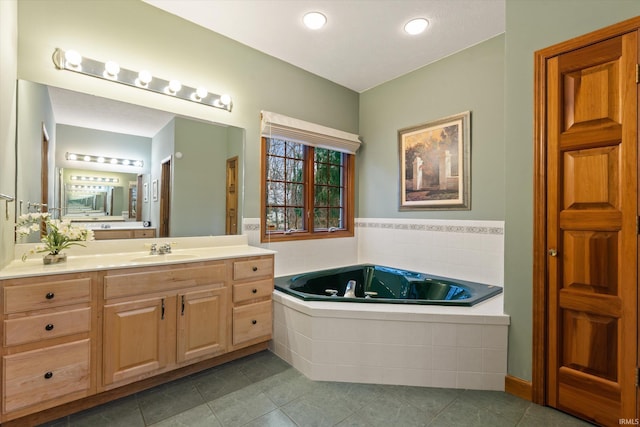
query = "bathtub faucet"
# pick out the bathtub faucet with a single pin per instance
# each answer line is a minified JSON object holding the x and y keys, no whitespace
{"x":350,"y":290}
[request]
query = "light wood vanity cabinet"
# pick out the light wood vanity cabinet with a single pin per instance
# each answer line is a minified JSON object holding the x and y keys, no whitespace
{"x":156,"y":318}
{"x":124,"y":233}
{"x":48,"y":346}
{"x":252,"y":283}
{"x":87,"y":338}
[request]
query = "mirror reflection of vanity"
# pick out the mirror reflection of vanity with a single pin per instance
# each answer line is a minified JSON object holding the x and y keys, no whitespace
{"x":111,"y":166}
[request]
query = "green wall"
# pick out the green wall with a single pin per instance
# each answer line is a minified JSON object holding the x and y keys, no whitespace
{"x":198,"y":199}
{"x":469,"y":80}
{"x":140,"y":36}
{"x":531,"y":26}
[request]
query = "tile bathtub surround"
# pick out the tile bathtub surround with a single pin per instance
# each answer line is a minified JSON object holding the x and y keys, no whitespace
{"x":428,"y":346}
{"x":468,"y":250}
{"x":262,"y":390}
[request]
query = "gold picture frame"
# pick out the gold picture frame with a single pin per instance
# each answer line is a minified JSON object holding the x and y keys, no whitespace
{"x":435,"y":166}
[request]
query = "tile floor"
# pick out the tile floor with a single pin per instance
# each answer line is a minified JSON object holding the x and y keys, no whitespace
{"x":263,"y":390}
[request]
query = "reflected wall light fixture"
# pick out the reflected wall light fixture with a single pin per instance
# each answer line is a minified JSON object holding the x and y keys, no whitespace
{"x":102,"y":159}
{"x":93,"y":179}
{"x":72,"y":61}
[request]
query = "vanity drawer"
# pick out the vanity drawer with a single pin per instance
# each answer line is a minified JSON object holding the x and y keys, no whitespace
{"x":46,"y":295}
{"x":146,"y":233}
{"x":137,"y":283}
{"x":253,"y":268}
{"x":252,"y":290}
{"x":45,"y":326}
{"x":35,"y":377}
{"x":252,"y":321}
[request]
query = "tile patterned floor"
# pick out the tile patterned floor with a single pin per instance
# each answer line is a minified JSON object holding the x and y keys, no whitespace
{"x":263,"y":390}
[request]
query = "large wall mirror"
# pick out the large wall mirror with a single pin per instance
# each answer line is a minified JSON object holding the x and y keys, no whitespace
{"x":98,"y":161}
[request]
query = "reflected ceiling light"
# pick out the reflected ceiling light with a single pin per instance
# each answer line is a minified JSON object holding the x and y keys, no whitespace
{"x":416,"y":26}
{"x":72,"y":61}
{"x":200,"y":94}
{"x":314,"y":20}
{"x":102,"y":159}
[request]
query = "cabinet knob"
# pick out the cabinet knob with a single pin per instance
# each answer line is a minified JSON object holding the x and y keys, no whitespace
{"x":49,"y":327}
{"x":254,"y":291}
{"x":552,"y":252}
{"x":50,"y":295}
{"x":254,"y":268}
{"x":253,"y":322}
{"x":48,"y":375}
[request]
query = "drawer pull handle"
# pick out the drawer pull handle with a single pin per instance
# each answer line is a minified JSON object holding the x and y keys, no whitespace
{"x":253,"y":322}
{"x":255,"y":268}
{"x":50,"y":295}
{"x":49,"y":327}
{"x":254,"y":291}
{"x":48,"y":375}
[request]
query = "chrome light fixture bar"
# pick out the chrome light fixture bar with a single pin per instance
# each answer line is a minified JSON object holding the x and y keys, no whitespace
{"x":102,"y":159}
{"x":72,"y":61}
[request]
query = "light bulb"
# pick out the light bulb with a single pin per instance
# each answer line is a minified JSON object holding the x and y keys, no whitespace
{"x":72,"y":58}
{"x":125,"y":162}
{"x":416,"y":26}
{"x":225,"y":99}
{"x":138,"y":163}
{"x":175,"y":86}
{"x":72,"y":156}
{"x":201,"y":93}
{"x":144,"y":77}
{"x":111,"y":69}
{"x":114,"y":161}
{"x":87,"y":158}
{"x":100,"y":159}
{"x":314,"y":20}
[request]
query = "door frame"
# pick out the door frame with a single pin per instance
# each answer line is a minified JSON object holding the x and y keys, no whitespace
{"x":540,"y":258}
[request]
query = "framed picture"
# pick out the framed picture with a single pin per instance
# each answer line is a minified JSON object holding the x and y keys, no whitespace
{"x":154,"y":190}
{"x":145,"y":192}
{"x":435,"y":164}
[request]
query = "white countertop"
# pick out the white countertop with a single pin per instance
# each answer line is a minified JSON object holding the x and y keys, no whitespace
{"x":105,"y":255}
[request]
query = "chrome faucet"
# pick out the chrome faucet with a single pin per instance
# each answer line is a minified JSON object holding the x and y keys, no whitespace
{"x":164,"y":249}
{"x":153,"y":249}
{"x":350,"y":290}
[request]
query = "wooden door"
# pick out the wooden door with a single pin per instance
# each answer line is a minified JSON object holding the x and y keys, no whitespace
{"x":231,"y":223}
{"x":202,"y":325}
{"x":592,"y":209}
{"x":165,"y":199}
{"x":134,"y":339}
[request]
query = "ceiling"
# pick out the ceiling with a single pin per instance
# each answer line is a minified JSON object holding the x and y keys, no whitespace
{"x":363,"y":43}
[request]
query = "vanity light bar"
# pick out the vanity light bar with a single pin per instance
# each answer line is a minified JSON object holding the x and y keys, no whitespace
{"x":102,"y":159}
{"x":88,"y":187}
{"x":72,"y":61}
{"x":93,"y":178}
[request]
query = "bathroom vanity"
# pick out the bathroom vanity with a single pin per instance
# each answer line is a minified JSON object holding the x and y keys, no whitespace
{"x":106,"y":325}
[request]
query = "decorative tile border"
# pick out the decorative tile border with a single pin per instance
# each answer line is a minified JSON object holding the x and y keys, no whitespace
{"x":249,"y":225}
{"x":432,"y":227}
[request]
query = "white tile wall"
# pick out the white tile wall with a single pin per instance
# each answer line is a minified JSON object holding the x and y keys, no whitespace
{"x":457,"y":347}
{"x":385,"y":346}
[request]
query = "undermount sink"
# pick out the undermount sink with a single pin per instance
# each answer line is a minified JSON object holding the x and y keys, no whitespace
{"x":163,"y":257}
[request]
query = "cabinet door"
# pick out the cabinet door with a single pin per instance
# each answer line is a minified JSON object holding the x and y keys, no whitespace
{"x":135,"y":338}
{"x":202,"y":324}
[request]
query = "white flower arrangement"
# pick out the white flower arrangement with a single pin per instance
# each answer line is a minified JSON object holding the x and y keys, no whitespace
{"x":60,"y":234}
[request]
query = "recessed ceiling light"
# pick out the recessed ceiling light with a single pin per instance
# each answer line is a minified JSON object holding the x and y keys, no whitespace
{"x":314,"y":20}
{"x":416,"y":26}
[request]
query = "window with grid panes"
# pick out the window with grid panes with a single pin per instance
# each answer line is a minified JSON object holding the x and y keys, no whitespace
{"x":308,"y":191}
